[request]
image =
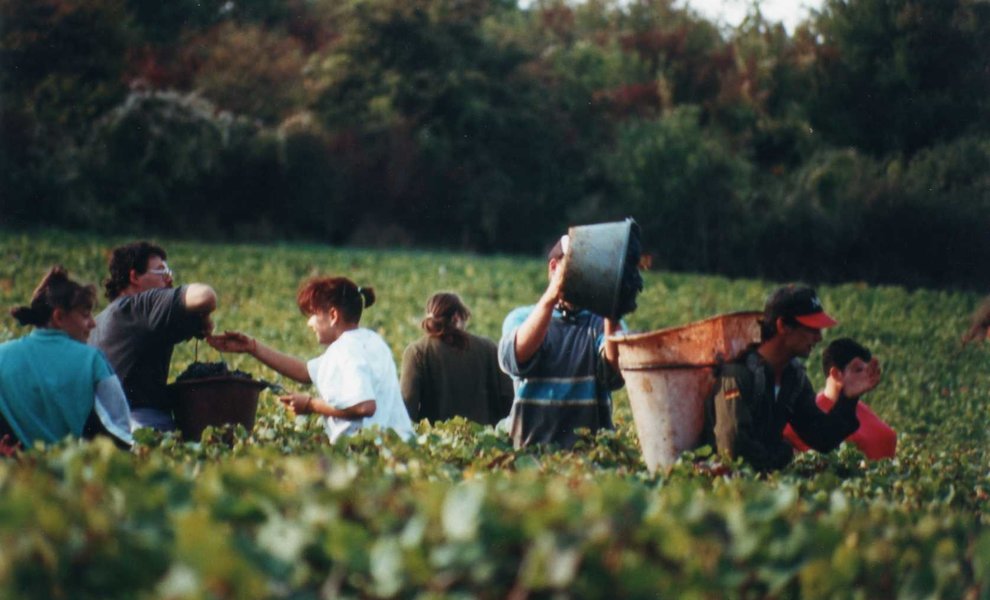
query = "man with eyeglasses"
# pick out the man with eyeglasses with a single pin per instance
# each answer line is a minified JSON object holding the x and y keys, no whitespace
{"x":146,"y":317}
{"x":766,"y":388}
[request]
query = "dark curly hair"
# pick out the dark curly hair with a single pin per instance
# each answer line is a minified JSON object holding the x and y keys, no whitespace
{"x":56,"y":290}
{"x":841,"y":352}
{"x":123,"y":259}
{"x":319,"y":294}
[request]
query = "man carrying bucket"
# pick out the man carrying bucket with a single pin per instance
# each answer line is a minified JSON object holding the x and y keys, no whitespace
{"x":563,"y":368}
{"x":766,"y":388}
{"x":146,"y":317}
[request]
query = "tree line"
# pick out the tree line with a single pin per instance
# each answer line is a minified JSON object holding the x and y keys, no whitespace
{"x":855,"y":147}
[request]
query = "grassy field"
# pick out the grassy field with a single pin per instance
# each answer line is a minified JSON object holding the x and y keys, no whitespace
{"x":459,"y":513}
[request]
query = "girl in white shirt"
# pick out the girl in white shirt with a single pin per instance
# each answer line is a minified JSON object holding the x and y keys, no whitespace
{"x":355,"y":377}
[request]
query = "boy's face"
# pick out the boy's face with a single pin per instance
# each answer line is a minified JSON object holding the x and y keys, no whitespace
{"x":855,"y":366}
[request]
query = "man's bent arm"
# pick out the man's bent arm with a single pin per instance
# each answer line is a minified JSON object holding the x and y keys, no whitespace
{"x":530,"y":335}
{"x":823,"y":431}
{"x":199,"y":298}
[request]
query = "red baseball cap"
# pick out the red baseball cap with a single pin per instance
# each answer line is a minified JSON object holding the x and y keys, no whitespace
{"x":800,"y":303}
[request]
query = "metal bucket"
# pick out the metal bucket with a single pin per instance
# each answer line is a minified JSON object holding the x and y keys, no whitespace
{"x":595,"y":259}
{"x":215,"y":401}
{"x":670,"y":372}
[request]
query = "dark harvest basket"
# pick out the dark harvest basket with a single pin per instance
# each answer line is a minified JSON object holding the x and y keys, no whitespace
{"x":214,"y":401}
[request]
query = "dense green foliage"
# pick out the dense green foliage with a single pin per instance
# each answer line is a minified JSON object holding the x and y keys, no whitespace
{"x":458,"y":513}
{"x":854,"y":148}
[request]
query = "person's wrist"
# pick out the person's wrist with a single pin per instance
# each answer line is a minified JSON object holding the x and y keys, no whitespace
{"x":254,"y":347}
{"x":308,"y":407}
{"x":548,"y":301}
{"x":844,"y":393}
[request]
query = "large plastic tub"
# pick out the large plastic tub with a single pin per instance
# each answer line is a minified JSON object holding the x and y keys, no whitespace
{"x":670,"y":372}
{"x":596,"y":259}
{"x":215,"y":401}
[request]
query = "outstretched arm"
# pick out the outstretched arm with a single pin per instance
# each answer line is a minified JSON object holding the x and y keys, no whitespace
{"x":234,"y":341}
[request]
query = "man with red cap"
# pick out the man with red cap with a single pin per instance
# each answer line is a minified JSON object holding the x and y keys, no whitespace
{"x":766,"y":388}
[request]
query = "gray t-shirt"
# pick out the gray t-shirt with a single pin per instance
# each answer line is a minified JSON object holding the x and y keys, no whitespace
{"x":137,"y":333}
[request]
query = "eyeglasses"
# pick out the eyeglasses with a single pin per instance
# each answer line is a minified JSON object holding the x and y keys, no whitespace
{"x":164,"y":271}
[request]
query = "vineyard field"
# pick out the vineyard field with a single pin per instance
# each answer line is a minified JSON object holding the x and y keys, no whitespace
{"x":457,"y":512}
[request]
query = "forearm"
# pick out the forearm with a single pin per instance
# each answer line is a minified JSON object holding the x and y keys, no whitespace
{"x":287,"y":365}
{"x":825,"y":431}
{"x":351,"y":413}
{"x":530,"y":335}
{"x":611,"y":349}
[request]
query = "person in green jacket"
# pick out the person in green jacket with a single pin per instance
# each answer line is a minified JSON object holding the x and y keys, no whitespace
{"x":450,"y":372}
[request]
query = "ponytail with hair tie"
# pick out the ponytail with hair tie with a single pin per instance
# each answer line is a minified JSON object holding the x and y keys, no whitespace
{"x":441,"y":310}
{"x":56,"y":290}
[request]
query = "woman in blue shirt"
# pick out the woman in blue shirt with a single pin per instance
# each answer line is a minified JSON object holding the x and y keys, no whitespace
{"x":51,"y":383}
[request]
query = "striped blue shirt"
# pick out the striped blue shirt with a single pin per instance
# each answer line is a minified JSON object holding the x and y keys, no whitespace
{"x":565,"y":386}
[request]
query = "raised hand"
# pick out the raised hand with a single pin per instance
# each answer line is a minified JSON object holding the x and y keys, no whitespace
{"x":555,"y":290}
{"x":858,"y":381}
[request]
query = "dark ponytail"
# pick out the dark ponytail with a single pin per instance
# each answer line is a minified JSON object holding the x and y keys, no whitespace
{"x":56,"y":290}
{"x":368,"y":293}
{"x":27,"y":315}
{"x":442,"y":309}
{"x":319,"y":294}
